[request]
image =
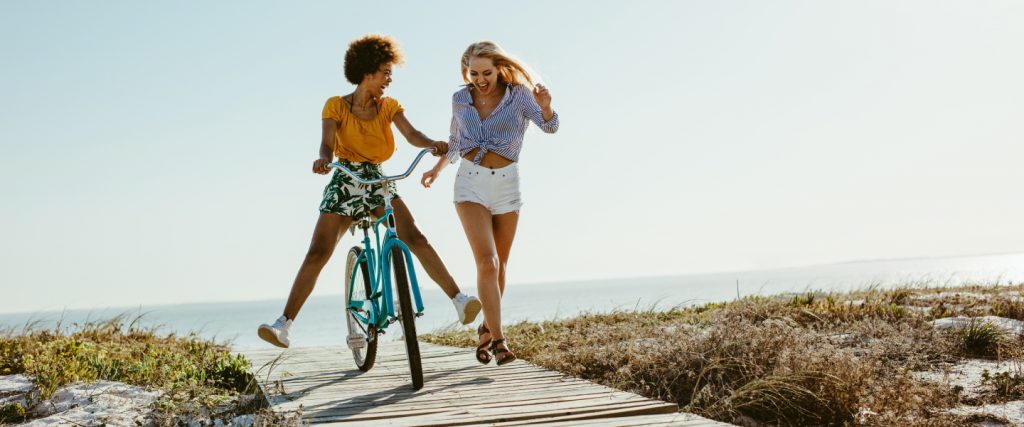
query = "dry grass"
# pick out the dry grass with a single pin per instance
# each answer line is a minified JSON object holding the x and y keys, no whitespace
{"x":809,"y":359}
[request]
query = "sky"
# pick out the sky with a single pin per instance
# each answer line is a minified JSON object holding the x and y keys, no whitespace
{"x":159,"y":152}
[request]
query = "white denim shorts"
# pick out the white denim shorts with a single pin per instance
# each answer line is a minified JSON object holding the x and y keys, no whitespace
{"x":495,"y":189}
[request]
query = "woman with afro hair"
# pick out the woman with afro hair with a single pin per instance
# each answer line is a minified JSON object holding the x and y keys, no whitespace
{"x":357,"y":131}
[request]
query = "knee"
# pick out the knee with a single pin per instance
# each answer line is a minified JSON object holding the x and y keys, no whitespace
{"x":318,"y":254}
{"x":487,"y":265}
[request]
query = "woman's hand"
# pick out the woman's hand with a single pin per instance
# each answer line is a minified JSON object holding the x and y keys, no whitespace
{"x":320,"y":166}
{"x":429,"y":177}
{"x":543,"y":97}
{"x":440,"y":148}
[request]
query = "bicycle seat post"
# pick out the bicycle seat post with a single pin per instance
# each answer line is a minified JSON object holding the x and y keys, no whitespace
{"x":388,"y":210}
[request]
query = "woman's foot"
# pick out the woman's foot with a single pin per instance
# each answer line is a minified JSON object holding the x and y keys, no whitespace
{"x":482,"y":355}
{"x":467,"y":307}
{"x":502,"y":354}
{"x":276,"y":333}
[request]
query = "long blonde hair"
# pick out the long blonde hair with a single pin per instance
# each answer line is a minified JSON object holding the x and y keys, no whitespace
{"x":511,"y":70}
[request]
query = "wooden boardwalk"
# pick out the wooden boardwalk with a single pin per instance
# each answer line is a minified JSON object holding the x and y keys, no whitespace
{"x":457,"y":390}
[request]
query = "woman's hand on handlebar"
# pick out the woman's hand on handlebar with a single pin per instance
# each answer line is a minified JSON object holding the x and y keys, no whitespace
{"x":320,"y":166}
{"x":439,"y":148}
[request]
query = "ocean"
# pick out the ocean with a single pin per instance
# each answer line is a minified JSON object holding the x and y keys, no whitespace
{"x":321,"y":321}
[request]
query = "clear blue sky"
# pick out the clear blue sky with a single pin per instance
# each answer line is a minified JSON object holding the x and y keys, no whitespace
{"x":159,"y":152}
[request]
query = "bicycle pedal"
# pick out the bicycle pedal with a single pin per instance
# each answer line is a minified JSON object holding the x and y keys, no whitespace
{"x":356,"y":341}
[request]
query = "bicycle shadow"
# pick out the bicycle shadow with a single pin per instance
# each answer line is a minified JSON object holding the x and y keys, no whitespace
{"x":347,"y":408}
{"x":300,"y":393}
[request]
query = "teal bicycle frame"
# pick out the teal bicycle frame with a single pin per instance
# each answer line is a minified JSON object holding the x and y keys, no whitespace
{"x":379,"y":305}
{"x":379,"y":263}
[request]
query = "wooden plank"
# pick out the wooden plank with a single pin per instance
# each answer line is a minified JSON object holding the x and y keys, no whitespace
{"x":469,"y":416}
{"x":611,"y":418}
{"x":478,"y":402}
{"x":472,"y":395}
{"x":475,"y":412}
{"x":432,"y":383}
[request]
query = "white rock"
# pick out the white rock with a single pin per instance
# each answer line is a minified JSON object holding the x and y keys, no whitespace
{"x":99,"y":402}
{"x":1012,"y":326}
{"x":13,"y":388}
{"x":950,"y":294}
{"x":243,"y":420}
{"x":15,"y":383}
{"x":968,"y":374}
{"x":1012,"y":411}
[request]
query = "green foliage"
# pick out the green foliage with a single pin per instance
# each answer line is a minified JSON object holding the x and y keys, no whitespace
{"x":1011,"y":308}
{"x":982,"y":338}
{"x":187,"y":368}
{"x":1007,"y":385}
{"x":12,"y":413}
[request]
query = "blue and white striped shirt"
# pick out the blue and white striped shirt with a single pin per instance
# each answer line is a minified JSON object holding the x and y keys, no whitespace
{"x":501,"y":132}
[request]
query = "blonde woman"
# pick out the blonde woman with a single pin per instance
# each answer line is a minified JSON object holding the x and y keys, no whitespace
{"x":357,"y":130}
{"x":489,"y":119}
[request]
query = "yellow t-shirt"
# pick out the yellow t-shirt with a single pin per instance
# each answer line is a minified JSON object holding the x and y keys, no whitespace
{"x":358,"y":140}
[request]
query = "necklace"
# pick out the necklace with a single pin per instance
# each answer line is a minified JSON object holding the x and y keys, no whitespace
{"x":483,"y":101}
{"x":352,"y":104}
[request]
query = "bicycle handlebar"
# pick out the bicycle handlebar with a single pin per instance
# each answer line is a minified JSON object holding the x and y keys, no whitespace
{"x":419,"y":157}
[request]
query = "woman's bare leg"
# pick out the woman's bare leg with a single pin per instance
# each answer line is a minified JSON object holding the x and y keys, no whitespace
{"x":478,"y":225}
{"x":329,"y":228}
{"x":504,"y":233}
{"x":409,"y":233}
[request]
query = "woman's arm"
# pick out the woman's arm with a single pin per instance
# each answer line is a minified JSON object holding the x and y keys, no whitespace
{"x":431,"y":175}
{"x":326,"y":147}
{"x":537,"y":108}
{"x":543,"y":98}
{"x":417,"y":138}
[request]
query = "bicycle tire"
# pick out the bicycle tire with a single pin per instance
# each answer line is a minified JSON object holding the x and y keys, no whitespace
{"x":407,"y":317}
{"x":364,"y":357}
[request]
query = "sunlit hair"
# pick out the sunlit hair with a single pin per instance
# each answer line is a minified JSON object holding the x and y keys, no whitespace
{"x":511,"y":70}
{"x":368,"y":53}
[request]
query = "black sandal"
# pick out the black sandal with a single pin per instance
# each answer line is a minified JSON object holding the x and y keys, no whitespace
{"x":482,"y":355}
{"x":508,"y":357}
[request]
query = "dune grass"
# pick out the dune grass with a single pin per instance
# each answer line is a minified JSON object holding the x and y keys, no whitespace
{"x":195,"y":375}
{"x":809,"y":359}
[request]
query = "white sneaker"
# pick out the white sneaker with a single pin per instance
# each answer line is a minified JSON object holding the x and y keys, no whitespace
{"x":467,"y":306}
{"x":276,"y":334}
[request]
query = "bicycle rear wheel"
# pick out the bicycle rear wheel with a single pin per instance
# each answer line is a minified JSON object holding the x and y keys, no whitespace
{"x":407,"y":316}
{"x":362,"y":335}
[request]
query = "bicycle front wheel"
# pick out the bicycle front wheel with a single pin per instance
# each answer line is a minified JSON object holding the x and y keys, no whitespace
{"x":362,"y":332}
{"x":407,"y":316}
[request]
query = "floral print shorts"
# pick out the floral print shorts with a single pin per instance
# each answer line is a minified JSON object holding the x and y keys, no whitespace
{"x":346,"y":197}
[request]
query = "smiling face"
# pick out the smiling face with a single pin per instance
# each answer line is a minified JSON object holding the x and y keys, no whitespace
{"x":377,"y":82}
{"x":483,"y":75}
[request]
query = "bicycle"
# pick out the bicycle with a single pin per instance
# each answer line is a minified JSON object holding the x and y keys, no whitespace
{"x":369,"y":302}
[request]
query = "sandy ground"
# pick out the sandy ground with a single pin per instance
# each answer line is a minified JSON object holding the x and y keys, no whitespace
{"x":969,"y":374}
